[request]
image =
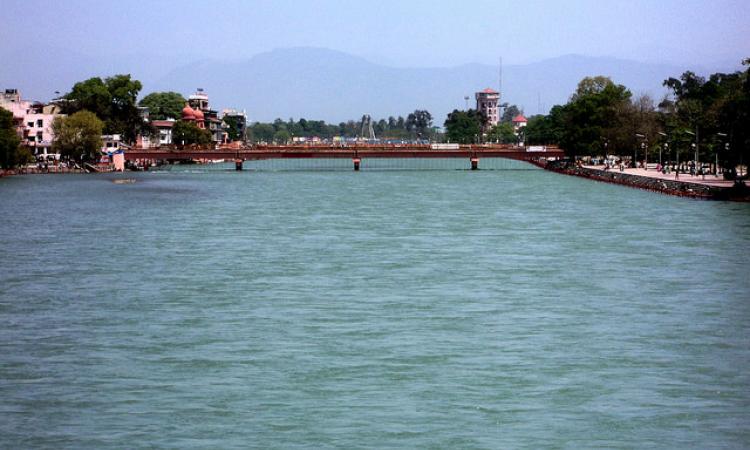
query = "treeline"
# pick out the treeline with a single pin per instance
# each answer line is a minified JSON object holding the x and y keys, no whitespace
{"x":709,"y":115}
{"x":465,"y":127}
{"x":416,"y":125}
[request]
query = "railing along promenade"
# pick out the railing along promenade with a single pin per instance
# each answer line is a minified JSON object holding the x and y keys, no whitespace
{"x":356,"y":152}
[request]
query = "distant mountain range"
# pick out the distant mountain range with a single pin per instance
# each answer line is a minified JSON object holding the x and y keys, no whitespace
{"x":317,"y":83}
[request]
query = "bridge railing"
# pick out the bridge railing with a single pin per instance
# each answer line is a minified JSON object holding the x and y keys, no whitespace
{"x":332,"y":148}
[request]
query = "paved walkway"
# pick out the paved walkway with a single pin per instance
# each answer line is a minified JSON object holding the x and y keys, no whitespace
{"x":708,"y":180}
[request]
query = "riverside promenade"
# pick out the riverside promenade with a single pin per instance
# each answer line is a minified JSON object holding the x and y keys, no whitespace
{"x":707,"y":180}
{"x":709,"y":187}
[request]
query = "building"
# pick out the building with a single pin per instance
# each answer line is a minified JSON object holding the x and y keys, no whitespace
{"x":11,"y":101}
{"x":202,"y":113}
{"x":487,"y":105}
{"x":33,"y":121}
{"x":38,"y":134}
{"x":111,"y":143}
{"x":164,"y":131}
{"x":519,"y":122}
{"x":238,"y":122}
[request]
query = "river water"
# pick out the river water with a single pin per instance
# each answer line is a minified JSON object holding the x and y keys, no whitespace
{"x":381,"y":309}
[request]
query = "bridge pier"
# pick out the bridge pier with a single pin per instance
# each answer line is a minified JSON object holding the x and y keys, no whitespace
{"x":474,"y":163}
{"x":238,"y":164}
{"x":356,"y":162}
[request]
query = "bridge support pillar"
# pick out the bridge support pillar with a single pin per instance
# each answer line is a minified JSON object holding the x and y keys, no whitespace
{"x":474,"y":163}
{"x":356,"y":162}
{"x":238,"y":164}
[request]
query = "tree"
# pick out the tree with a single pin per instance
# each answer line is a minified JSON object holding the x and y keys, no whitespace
{"x":544,"y":130}
{"x":463,"y":127}
{"x":419,"y":122}
{"x":9,"y":141}
{"x":707,"y":107}
{"x":113,"y":100}
{"x":188,"y":133}
{"x":233,"y":128}
{"x":90,"y":95}
{"x":163,"y":105}
{"x":502,"y":132}
{"x":78,"y":136}
{"x":262,"y":132}
{"x":591,"y":86}
{"x":282,"y":136}
{"x":509,"y":113}
{"x":590,"y":115}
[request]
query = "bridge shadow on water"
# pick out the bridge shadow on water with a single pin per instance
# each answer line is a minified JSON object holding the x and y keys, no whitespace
{"x":367,"y":164}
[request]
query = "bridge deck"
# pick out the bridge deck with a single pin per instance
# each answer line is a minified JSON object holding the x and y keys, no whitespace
{"x":359,"y":151}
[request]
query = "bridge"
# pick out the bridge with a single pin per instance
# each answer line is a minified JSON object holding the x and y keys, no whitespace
{"x":356,"y":152}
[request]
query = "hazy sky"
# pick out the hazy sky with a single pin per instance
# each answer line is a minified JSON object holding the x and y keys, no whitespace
{"x":401,"y":32}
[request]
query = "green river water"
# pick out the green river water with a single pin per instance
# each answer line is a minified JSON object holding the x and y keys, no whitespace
{"x":323,"y":308}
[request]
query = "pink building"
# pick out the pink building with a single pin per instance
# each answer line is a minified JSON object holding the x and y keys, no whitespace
{"x":33,"y":121}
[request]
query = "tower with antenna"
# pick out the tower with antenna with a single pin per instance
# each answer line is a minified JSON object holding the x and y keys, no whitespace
{"x":500,"y":76}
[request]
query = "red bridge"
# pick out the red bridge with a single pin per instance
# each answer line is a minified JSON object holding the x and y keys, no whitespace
{"x":356,"y":152}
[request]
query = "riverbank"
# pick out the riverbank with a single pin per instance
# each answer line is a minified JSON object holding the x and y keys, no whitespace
{"x":54,"y":170}
{"x":699,"y":187}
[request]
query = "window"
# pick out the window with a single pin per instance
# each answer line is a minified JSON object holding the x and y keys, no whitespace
{"x":39,"y":136}
{"x":39,"y":123}
{"x":30,"y":124}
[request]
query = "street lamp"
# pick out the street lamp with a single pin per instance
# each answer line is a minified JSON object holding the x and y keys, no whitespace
{"x":694,"y":145}
{"x":726,"y":146}
{"x":635,"y":149}
{"x":665,"y":145}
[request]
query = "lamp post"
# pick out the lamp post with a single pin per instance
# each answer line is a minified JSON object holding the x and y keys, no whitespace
{"x":635,"y":151}
{"x":696,"y":150}
{"x":726,"y":146}
{"x":606,"y":152}
{"x":694,"y":145}
{"x":665,"y":146}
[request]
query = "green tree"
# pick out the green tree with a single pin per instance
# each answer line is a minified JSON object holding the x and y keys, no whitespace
{"x":90,"y":95}
{"x":546,"y":130}
{"x":419,"y":122}
{"x":282,"y":136}
{"x":163,"y":105}
{"x":463,"y":127}
{"x":707,"y":107}
{"x":9,"y":141}
{"x":509,"y":113}
{"x":188,"y":133}
{"x":78,"y":136}
{"x":591,"y":114}
{"x":113,"y":100}
{"x":502,"y":132}
{"x":233,"y":128}
{"x":262,"y":132}
{"x":591,"y":86}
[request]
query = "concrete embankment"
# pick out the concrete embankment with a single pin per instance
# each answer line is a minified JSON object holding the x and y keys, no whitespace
{"x":736,"y":192}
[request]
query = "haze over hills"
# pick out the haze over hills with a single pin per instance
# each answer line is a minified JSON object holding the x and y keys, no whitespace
{"x":335,"y":86}
{"x":317,"y":83}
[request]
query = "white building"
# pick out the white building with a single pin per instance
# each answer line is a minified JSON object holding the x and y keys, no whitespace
{"x":164,"y":131}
